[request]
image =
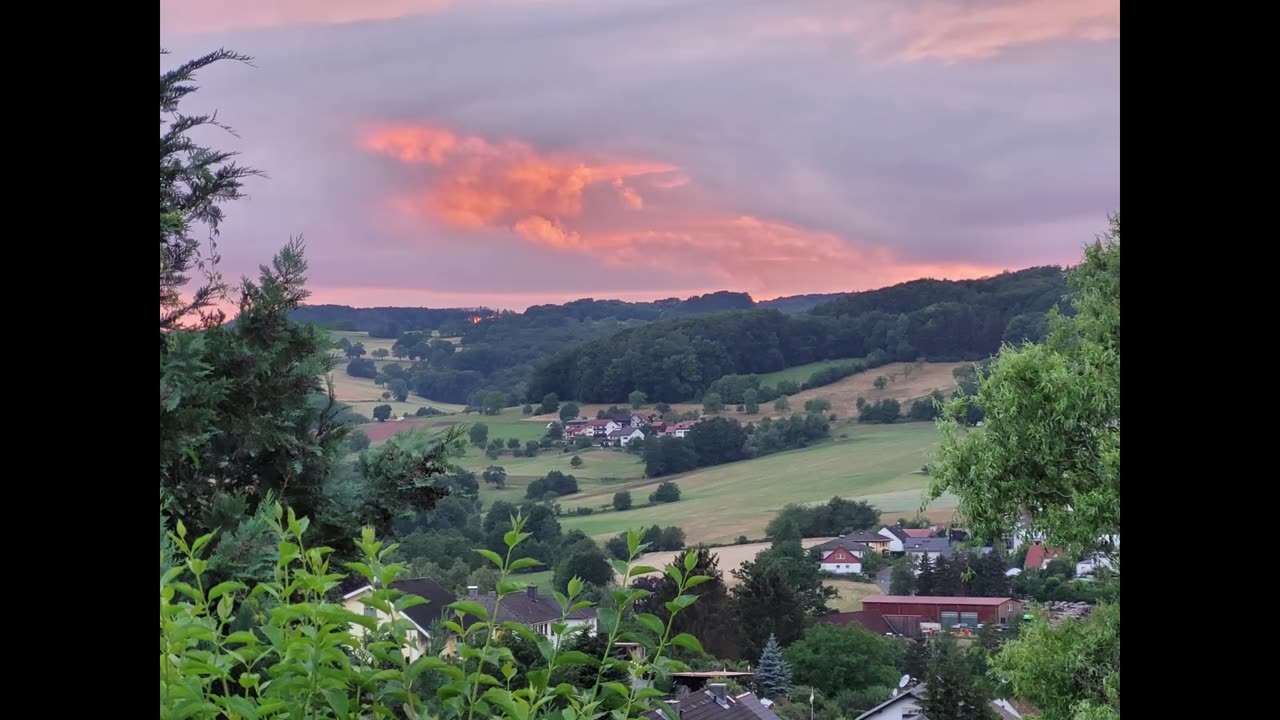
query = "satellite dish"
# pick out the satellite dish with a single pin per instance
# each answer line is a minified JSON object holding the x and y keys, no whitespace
{"x":902,"y":682}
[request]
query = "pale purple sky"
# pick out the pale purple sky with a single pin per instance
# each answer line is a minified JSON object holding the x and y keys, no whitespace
{"x":509,"y":152}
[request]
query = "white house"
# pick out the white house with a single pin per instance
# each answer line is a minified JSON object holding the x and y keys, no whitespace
{"x":841,"y":562}
{"x":905,"y":704}
{"x":422,"y":616}
{"x":625,"y":436}
{"x":895,"y":538}
{"x":538,"y":613}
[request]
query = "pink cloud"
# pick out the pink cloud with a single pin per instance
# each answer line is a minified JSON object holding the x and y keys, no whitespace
{"x":200,"y":16}
{"x":478,"y":184}
{"x":954,"y":32}
{"x":470,"y":183}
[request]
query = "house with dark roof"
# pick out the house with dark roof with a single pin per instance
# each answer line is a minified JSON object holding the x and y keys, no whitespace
{"x":932,"y":547}
{"x":857,"y":542}
{"x":714,"y":703}
{"x":906,"y":704}
{"x":422,"y":616}
{"x":534,"y":611}
{"x":624,"y":436}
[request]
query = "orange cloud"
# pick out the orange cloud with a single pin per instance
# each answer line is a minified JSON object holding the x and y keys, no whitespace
{"x":476,"y":184}
{"x":479,"y":184}
{"x":954,"y":32}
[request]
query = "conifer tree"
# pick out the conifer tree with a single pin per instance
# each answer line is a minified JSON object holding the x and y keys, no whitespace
{"x":773,"y":674}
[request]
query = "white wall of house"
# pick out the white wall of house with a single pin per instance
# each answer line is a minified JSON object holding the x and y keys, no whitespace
{"x":842,"y":568}
{"x":895,"y":543}
{"x":418,"y":641}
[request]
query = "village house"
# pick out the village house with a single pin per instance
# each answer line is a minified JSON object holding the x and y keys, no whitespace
{"x":898,"y":535}
{"x":1039,"y":556}
{"x":931,"y":547}
{"x":715,"y":702}
{"x":841,"y":562}
{"x":905,"y":705}
{"x":859,"y":542}
{"x":422,"y":616}
{"x":532,"y":610}
{"x":624,"y":437}
{"x":680,"y":429}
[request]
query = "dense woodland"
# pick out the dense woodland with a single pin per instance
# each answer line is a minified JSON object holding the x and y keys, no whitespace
{"x":676,"y":350}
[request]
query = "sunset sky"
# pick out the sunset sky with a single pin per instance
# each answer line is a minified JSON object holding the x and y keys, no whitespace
{"x":512,"y":152}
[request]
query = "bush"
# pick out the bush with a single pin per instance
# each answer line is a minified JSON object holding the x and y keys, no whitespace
{"x":575,"y":461}
{"x":622,"y":500}
{"x":526,"y":409}
{"x":550,"y":404}
{"x":361,"y":671}
{"x":362,"y":368}
{"x":358,"y":440}
{"x":381,"y":413}
{"x":513,"y":443}
{"x":667,"y":492}
{"x":817,"y":405}
{"x":885,"y":412}
{"x":428,"y":411}
{"x":568,"y":412}
{"x":553,"y":483}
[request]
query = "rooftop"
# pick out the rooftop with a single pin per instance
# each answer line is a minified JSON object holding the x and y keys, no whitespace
{"x":932,"y":600}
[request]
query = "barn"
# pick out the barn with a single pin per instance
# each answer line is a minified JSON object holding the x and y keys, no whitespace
{"x":947,"y":611}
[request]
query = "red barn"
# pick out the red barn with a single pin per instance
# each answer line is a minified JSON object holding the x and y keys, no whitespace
{"x":948,"y":611}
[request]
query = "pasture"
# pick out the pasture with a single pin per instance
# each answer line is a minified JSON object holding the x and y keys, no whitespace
{"x":878,"y":463}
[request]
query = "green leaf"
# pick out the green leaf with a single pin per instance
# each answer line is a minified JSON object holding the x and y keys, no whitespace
{"x":618,"y":689}
{"x":608,"y":619}
{"x":221,"y":588}
{"x":633,"y":542}
{"x":405,"y":602}
{"x":338,"y":702}
{"x":690,"y":559}
{"x":575,"y":586}
{"x":469,"y":607}
{"x":574,"y":657}
{"x":696,"y":580}
{"x":521,"y":630}
{"x":510,"y":587}
{"x":688,"y":642}
{"x":652,"y":622}
{"x":639,"y":570}
{"x":523,"y":563}
{"x":491,"y":556}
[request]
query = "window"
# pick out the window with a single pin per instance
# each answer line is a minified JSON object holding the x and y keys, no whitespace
{"x":370,"y":611}
{"x":949,"y":619}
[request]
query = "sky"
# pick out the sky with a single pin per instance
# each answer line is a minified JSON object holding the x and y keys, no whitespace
{"x":515,"y":152}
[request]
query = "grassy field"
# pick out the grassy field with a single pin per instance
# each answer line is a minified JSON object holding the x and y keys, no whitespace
{"x":799,"y":373}
{"x":851,"y":594}
{"x":880,"y":463}
{"x":729,"y":558}
{"x":906,"y":382}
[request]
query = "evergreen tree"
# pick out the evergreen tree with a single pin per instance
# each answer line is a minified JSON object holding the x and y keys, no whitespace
{"x":926,"y":580}
{"x":902,"y":580}
{"x":773,"y":674}
{"x":957,"y":686}
{"x":915,"y":661}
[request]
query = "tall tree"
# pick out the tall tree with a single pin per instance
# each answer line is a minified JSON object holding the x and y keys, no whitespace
{"x":902,"y":579}
{"x":711,"y":618}
{"x":773,"y":674}
{"x":840,"y":659}
{"x":926,"y":579}
{"x":1068,"y":669}
{"x":1050,"y":445}
{"x":194,"y":182}
{"x":957,"y":685}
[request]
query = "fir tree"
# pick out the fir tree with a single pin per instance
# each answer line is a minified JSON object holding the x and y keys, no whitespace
{"x":926,"y":581}
{"x":957,"y":687}
{"x":773,"y":674}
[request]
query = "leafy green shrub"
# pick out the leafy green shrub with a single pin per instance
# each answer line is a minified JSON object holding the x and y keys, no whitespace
{"x":283,"y":649}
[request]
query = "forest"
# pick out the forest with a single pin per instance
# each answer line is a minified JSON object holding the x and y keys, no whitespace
{"x":678,"y":360}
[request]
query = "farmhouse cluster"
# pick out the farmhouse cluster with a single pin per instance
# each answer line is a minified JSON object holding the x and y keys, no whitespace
{"x":622,"y":429}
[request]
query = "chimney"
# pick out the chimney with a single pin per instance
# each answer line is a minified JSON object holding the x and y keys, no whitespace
{"x":473,"y":589}
{"x":718,"y":692}
{"x":532,"y":591}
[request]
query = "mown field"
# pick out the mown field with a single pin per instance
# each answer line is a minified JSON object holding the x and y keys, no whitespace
{"x":878,"y":463}
{"x":881,"y":464}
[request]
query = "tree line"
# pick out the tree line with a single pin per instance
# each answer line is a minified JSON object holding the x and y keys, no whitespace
{"x":677,"y":359}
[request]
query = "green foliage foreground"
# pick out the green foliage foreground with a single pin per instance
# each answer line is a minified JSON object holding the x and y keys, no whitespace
{"x":285,"y":649}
